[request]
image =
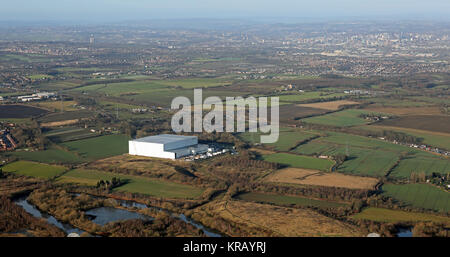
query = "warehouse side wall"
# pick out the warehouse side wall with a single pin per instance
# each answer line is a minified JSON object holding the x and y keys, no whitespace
{"x":149,"y":150}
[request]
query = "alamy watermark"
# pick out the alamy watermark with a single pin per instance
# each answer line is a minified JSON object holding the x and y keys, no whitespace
{"x":235,"y":115}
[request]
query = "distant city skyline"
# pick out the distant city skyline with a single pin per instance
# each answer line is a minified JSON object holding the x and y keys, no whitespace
{"x":116,"y":10}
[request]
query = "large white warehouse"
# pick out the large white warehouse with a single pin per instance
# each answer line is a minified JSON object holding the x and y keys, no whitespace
{"x":166,"y":146}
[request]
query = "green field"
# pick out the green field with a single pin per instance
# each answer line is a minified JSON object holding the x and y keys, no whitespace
{"x":135,"y":184}
{"x":419,"y":196}
{"x":69,"y":134}
{"x":299,"y":97}
{"x":299,"y":161}
{"x":52,"y":155}
{"x":372,"y":163}
{"x":390,"y":102}
{"x":343,"y":118}
{"x":287,"y":139}
{"x":387,"y":215}
{"x":114,"y":105}
{"x":58,"y":85}
{"x":367,"y":156}
{"x":116,"y":89}
{"x":159,"y":92}
{"x":26,"y":58}
{"x":23,"y":121}
{"x":196,"y":82}
{"x":150,"y":93}
{"x":99,"y":147}
{"x":78,"y":151}
{"x":432,"y":100}
{"x":124,"y":110}
{"x":419,"y":164}
{"x":287,"y":200}
{"x":33,"y":169}
{"x":62,"y":116}
{"x":429,"y":138}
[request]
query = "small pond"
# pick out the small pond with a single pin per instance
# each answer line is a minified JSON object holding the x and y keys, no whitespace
{"x":104,"y":215}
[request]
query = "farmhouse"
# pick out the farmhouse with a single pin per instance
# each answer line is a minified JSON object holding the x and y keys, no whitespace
{"x":166,"y":146}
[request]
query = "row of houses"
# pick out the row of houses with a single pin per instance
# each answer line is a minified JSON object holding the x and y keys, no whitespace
{"x":7,"y":143}
{"x":358,"y":92}
{"x":423,"y":147}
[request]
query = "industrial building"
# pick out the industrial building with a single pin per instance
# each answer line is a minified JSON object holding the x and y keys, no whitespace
{"x":166,"y":146}
{"x":36,"y":96}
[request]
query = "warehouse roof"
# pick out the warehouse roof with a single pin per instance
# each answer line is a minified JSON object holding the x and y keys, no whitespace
{"x":164,"y":138}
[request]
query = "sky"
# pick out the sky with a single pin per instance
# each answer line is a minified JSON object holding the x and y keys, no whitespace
{"x":125,"y":10}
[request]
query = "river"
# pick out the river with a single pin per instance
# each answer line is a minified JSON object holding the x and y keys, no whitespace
{"x":405,"y":232}
{"x":182,"y":217}
{"x":31,"y":209}
{"x":103,"y":215}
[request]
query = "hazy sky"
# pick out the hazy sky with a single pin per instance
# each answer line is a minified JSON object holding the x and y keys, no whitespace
{"x":117,"y":10}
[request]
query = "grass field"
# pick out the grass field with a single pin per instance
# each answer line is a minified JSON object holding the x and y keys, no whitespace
{"x":52,"y":155}
{"x":317,"y":178}
{"x":436,"y":139}
{"x":340,"y":119}
{"x":196,"y":82}
{"x":433,"y":123}
{"x":287,"y":139}
{"x":332,"y":106}
{"x":91,"y":147}
{"x":33,"y":169}
{"x":57,"y":105}
{"x":287,"y":200}
{"x":431,"y":100}
{"x":135,"y":184}
{"x":153,"y":167}
{"x":165,"y":96}
{"x":393,"y":216}
{"x":24,"y":121}
{"x":157,"y":92}
{"x":299,"y":161}
{"x":309,"y":96}
{"x":390,"y":102}
{"x":281,"y":221}
{"x":419,"y":164}
{"x":367,"y":156}
{"x":372,"y":163}
{"x":425,"y":110}
{"x":62,"y":116}
{"x":99,"y":147}
{"x":69,"y":134}
{"x":58,"y":85}
{"x":124,"y":110}
{"x":419,"y":196}
{"x":27,"y":58}
{"x":116,"y":89}
{"x":114,"y":105}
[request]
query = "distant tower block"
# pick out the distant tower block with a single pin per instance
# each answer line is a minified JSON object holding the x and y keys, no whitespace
{"x":91,"y":39}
